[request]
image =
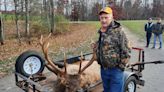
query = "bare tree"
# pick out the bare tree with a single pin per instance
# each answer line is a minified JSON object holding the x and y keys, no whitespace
{"x":75,"y":12}
{"x":16,"y":21}
{"x":95,"y":10}
{"x":60,"y":7}
{"x":136,"y":10}
{"x":146,"y":12}
{"x":122,"y":2}
{"x":5,"y":5}
{"x":52,"y":15}
{"x":27,"y":21}
{"x":127,"y":9}
{"x":1,"y":31}
{"x":157,"y":10}
{"x":46,"y":14}
{"x":22,"y":9}
{"x":82,"y":9}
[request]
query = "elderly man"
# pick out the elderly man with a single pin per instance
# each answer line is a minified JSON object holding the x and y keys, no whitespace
{"x":112,"y":52}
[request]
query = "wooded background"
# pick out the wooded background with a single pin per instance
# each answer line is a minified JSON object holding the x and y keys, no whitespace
{"x":29,"y":16}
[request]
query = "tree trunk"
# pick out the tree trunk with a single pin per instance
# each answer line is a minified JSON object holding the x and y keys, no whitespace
{"x":52,"y":15}
{"x":121,"y":4}
{"x":22,"y":9}
{"x":48,"y":15}
{"x":16,"y":22}
{"x":1,"y":31}
{"x":5,"y":6}
{"x":43,"y":10}
{"x":27,"y":21}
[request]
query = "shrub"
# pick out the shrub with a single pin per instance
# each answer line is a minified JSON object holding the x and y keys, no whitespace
{"x":37,"y":28}
{"x":62,"y":24}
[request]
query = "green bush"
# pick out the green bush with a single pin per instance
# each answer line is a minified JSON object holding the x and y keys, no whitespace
{"x":62,"y":24}
{"x":37,"y":28}
{"x":60,"y":18}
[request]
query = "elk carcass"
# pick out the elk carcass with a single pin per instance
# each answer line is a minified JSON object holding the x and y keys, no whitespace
{"x":73,"y":76}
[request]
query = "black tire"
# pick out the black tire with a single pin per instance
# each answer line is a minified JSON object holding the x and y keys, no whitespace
{"x":130,"y":81}
{"x":21,"y":59}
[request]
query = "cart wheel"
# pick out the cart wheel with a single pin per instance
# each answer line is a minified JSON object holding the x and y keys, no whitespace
{"x":29,"y":63}
{"x":130,"y":84}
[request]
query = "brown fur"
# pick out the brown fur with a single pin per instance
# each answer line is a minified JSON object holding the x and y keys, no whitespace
{"x":74,"y":81}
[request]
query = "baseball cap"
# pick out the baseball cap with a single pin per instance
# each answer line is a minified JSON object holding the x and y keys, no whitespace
{"x":107,"y":10}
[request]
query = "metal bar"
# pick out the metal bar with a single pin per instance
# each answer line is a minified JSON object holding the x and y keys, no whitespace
{"x":33,"y":88}
{"x":94,"y":85}
{"x":27,"y":87}
{"x":135,"y":48}
{"x":16,"y":78}
{"x":139,"y":56}
{"x":37,"y":86}
{"x":153,"y":62}
{"x":71,"y":60}
{"x":139,"y":60}
{"x":75,"y":58}
{"x":143,"y":56}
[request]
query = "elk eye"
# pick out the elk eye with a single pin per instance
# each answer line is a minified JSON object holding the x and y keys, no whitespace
{"x":67,"y":84}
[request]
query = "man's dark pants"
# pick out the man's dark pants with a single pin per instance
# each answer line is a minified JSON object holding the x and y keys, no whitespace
{"x":148,"y":37}
{"x":113,"y":79}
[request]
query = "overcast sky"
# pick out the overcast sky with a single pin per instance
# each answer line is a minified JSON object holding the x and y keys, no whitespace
{"x":10,"y":5}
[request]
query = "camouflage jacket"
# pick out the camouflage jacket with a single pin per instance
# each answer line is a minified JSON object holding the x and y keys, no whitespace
{"x":112,"y":47}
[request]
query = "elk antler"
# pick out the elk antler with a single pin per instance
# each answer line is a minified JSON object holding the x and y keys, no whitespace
{"x":65,"y":64}
{"x":89,"y":63}
{"x":51,"y":66}
{"x":81,"y":59}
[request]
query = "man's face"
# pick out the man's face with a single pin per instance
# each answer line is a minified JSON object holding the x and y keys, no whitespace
{"x":159,"y":20}
{"x":150,"y":20}
{"x":105,"y":19}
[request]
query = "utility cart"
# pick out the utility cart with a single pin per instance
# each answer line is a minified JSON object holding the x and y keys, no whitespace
{"x":30,"y":77}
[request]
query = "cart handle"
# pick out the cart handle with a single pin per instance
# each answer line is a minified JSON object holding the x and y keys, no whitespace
{"x":135,"y":48}
{"x":153,"y":62}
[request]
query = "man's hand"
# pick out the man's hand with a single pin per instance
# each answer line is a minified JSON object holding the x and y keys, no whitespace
{"x":129,"y":44}
{"x":126,"y":60}
{"x":94,"y":46}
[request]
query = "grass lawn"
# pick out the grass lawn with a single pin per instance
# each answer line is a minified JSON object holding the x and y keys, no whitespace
{"x":135,"y":26}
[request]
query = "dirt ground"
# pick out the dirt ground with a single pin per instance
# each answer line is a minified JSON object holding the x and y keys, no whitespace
{"x":76,"y":35}
{"x":71,"y":40}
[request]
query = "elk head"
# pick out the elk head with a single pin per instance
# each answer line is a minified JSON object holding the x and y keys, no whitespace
{"x":65,"y":82}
